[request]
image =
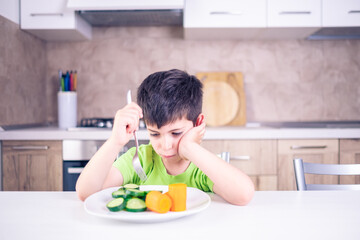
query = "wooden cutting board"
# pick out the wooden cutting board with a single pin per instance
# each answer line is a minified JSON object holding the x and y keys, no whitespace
{"x":224,"y":98}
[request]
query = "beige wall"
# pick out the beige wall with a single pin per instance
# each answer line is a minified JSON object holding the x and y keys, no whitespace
{"x":22,"y":76}
{"x":284,"y":80}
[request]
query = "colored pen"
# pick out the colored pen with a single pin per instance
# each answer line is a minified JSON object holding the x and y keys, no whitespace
{"x":60,"y":80}
{"x":71,"y":86}
{"x":75,"y":80}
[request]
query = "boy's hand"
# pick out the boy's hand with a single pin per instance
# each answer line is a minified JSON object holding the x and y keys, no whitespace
{"x":193,"y":136}
{"x":126,"y":121}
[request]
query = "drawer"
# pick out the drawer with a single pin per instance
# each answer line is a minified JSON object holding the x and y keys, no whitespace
{"x":315,"y":146}
{"x":254,"y":157}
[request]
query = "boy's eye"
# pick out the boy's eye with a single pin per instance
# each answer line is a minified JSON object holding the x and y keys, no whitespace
{"x":177,"y":133}
{"x":154,"y":134}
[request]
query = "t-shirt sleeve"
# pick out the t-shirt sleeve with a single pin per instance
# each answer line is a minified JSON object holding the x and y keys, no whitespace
{"x":124,"y":164}
{"x":202,"y":181}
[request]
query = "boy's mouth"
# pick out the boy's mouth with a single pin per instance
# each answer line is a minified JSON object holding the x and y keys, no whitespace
{"x":168,"y":156}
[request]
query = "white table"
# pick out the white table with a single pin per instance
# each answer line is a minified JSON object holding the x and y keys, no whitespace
{"x":270,"y":215}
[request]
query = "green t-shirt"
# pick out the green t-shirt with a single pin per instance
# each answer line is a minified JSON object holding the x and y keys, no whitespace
{"x":156,"y":171}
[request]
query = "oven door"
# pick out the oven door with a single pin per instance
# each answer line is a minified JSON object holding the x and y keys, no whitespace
{"x":76,"y":154}
{"x":71,"y":172}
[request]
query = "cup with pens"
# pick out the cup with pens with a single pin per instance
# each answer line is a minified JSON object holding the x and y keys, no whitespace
{"x":67,"y":99}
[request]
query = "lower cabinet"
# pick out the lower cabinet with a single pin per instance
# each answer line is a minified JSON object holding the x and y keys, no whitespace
{"x":32,"y":165}
{"x":256,"y":158}
{"x":37,"y":165}
{"x":350,"y":154}
{"x":317,"y":151}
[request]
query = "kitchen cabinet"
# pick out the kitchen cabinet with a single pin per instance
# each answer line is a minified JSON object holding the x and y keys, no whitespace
{"x":294,"y":13}
{"x":32,"y":165}
{"x":345,"y":13}
{"x":350,"y":154}
{"x":224,"y":19}
{"x":315,"y":150}
{"x":292,"y":19}
{"x":51,"y":20}
{"x":257,"y":158}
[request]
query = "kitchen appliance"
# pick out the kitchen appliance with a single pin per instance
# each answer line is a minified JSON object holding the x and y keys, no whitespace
{"x":87,"y":123}
{"x":108,"y":13}
{"x":97,"y":122}
{"x":77,"y":153}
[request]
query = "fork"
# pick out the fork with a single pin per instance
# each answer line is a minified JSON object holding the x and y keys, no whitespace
{"x":136,"y":161}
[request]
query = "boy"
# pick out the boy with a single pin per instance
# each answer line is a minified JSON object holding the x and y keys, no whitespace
{"x":170,"y":103}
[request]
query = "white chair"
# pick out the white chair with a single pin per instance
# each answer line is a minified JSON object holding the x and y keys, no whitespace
{"x":301,"y":168}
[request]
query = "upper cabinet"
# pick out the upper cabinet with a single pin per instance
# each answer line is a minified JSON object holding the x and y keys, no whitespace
{"x":209,"y":19}
{"x":269,"y":19}
{"x":224,"y":19}
{"x":226,"y":13}
{"x":52,"y":21}
{"x":344,"y":13}
{"x":292,"y":19}
{"x":294,"y":13}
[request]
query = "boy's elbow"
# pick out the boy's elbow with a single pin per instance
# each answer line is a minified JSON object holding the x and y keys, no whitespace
{"x":245,"y":196}
{"x":80,"y":193}
{"x":81,"y":196}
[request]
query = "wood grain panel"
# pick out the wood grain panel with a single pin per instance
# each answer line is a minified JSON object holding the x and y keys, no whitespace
{"x":350,"y":154}
{"x":30,"y":169}
{"x":309,"y":151}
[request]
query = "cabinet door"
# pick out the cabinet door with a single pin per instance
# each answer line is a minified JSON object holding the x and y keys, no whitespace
{"x":257,"y":158}
{"x":350,"y":154}
{"x":225,"y":13}
{"x":317,"y":151}
{"x":32,"y":166}
{"x":294,"y":13}
{"x":43,"y":14}
{"x":51,"y":20}
{"x":344,"y":13}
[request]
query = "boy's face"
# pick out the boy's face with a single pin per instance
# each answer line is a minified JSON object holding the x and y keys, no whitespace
{"x":165,"y":140}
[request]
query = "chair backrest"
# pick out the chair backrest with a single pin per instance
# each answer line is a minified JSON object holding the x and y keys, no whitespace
{"x":301,"y":168}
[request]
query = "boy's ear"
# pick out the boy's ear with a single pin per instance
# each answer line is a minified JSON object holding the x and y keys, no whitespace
{"x":199,"y":120}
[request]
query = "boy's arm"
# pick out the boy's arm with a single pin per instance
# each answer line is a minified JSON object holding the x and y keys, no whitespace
{"x":99,"y":173}
{"x":229,"y":182}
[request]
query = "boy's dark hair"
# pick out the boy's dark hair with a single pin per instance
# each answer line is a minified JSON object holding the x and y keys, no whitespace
{"x":168,"y":96}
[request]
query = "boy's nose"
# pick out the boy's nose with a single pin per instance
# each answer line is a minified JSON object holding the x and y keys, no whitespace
{"x":166,"y":143}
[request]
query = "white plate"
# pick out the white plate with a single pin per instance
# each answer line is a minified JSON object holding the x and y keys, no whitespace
{"x":196,"y":201}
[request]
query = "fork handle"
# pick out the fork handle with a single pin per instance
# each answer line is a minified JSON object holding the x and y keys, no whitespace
{"x":128,"y":97}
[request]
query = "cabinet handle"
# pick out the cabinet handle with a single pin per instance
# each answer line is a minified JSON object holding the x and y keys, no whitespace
{"x":294,"y":12}
{"x":354,"y":11}
{"x":225,"y":13}
{"x":28,"y":147}
{"x":308,"y":147}
{"x":240,"y":158}
{"x":75,"y":170}
{"x":46,"y":14}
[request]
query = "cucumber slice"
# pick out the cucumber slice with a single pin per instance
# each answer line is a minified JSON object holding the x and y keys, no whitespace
{"x":119,"y":193}
{"x":135,"y":193}
{"x":135,"y":205}
{"x":116,"y":205}
{"x":131,"y":186}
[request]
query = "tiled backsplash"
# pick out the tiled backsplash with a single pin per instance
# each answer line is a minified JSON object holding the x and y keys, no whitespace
{"x":284,"y":80}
